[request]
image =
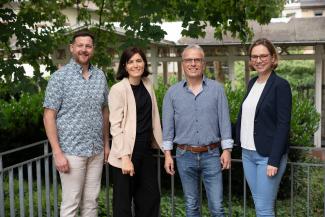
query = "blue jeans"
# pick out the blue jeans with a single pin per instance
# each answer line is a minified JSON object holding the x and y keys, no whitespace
{"x":264,"y":188}
{"x":191,"y":166}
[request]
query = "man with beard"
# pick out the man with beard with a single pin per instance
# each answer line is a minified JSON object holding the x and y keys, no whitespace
{"x":76,"y":123}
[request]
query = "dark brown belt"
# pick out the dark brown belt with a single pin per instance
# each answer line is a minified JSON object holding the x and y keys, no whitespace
{"x":198,"y":149}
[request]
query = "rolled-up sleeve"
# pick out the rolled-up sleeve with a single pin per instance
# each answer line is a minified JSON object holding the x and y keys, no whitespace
{"x":224,"y":120}
{"x":168,"y":122}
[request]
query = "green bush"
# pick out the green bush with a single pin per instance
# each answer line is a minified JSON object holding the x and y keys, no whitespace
{"x":304,"y":117}
{"x":21,"y":121}
{"x":235,"y":99}
{"x":160,"y":91}
{"x":297,"y":72}
{"x":304,"y":121}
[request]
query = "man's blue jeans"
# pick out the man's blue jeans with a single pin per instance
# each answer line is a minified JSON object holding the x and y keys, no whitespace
{"x":190,"y":167}
{"x":264,"y":188}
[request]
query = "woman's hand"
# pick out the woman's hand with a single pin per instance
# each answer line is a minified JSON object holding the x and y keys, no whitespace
{"x":127,"y":166}
{"x":271,"y":170}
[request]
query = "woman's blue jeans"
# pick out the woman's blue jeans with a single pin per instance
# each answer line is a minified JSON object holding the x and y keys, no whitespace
{"x":264,"y":188}
{"x":191,"y":166}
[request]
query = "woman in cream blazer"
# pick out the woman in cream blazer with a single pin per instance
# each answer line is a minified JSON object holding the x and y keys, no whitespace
{"x":136,"y":132}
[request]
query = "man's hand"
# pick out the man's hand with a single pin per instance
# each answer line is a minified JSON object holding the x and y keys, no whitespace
{"x":106,"y":153}
{"x":61,"y":163}
{"x":225,"y":159}
{"x":271,"y":170}
{"x":127,"y":166}
{"x":169,"y":163}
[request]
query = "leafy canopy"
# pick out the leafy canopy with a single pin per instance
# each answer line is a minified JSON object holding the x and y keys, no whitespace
{"x":38,"y":27}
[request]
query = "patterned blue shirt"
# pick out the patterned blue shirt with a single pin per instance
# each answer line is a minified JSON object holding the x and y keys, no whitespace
{"x":79,"y":104}
{"x":196,"y":120}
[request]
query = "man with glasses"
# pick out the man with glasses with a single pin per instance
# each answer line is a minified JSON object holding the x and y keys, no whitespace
{"x":196,"y":120}
{"x":76,"y":124}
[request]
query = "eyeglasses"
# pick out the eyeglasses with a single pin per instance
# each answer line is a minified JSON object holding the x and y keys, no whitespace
{"x":263,"y":57}
{"x":190,"y":60}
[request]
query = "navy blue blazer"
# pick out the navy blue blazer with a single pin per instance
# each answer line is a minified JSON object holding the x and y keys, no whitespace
{"x":272,"y":119}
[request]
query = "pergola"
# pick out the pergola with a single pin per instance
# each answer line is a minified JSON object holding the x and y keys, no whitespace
{"x":304,"y":34}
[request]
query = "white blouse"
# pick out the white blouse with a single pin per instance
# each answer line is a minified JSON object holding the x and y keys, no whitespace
{"x":248,"y":116}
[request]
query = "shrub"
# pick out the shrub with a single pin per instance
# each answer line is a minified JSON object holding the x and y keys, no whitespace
{"x":304,"y":117}
{"x":160,"y":91}
{"x":304,"y":121}
{"x":21,"y":121}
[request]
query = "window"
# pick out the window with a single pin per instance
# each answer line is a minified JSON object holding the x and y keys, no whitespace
{"x":318,"y":13}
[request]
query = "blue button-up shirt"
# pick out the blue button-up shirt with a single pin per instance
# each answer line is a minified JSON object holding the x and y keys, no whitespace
{"x":79,"y":104}
{"x":196,"y":120}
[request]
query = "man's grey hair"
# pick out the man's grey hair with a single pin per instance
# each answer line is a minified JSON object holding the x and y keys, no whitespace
{"x":193,"y":46}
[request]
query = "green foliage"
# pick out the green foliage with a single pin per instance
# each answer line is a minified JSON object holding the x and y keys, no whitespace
{"x":38,"y":28}
{"x":160,"y":91}
{"x":297,"y":72}
{"x":237,"y":208}
{"x":34,"y":41}
{"x":22,"y":113}
{"x":235,"y":99}
{"x":304,"y":117}
{"x":226,"y":16}
{"x":304,"y":121}
{"x":21,"y":120}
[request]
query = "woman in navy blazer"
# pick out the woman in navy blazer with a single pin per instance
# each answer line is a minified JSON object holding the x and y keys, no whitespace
{"x":263,"y":126}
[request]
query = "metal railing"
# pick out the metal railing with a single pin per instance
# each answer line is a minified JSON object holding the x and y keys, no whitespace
{"x":17,"y":187}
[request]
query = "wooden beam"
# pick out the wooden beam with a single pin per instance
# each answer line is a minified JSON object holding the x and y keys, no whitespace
{"x":165,"y":73}
{"x":179,"y":70}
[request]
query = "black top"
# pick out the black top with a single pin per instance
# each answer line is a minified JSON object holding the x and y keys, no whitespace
{"x":143,"y":138}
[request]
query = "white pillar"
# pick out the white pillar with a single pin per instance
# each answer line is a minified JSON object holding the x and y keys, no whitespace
{"x":231,"y":67}
{"x":319,"y":52}
{"x":154,"y":64}
{"x":247,"y":72}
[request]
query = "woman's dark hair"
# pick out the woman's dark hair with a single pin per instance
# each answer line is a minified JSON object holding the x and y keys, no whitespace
{"x":270,"y":47}
{"x":125,"y":57}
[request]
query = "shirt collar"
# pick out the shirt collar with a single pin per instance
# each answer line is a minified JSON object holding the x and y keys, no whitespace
{"x":78,"y":68}
{"x":204,"y":81}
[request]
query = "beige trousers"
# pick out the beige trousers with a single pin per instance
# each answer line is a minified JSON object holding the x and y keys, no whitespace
{"x":81,"y":186}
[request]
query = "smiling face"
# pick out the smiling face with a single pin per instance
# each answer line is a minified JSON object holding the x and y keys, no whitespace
{"x":135,"y":66}
{"x":82,"y":49}
{"x":261,"y":59}
{"x":193,"y":63}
